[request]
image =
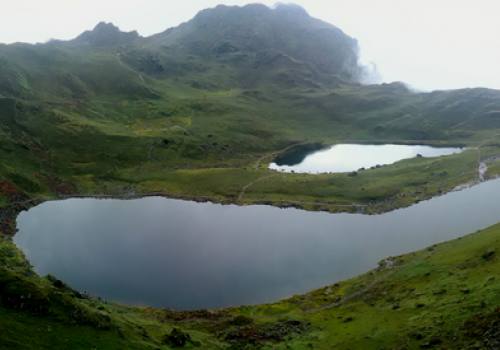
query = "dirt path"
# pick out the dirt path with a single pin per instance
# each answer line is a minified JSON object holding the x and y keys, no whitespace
{"x":139,"y":75}
{"x":483,"y":168}
{"x":351,"y":296}
{"x":250,"y":184}
{"x":482,"y":163}
{"x":257,"y":166}
{"x":330,"y":204}
{"x":275,"y":153}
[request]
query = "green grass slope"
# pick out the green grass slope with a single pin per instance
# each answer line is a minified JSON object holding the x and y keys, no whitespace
{"x":198,"y":111}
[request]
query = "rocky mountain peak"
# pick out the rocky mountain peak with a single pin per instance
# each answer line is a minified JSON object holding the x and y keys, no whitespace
{"x":106,"y":34}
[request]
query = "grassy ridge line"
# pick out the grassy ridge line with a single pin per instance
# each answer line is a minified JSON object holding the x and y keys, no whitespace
{"x":445,"y":296}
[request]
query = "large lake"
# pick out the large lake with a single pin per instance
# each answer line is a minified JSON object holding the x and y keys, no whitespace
{"x":351,"y":157}
{"x":185,"y":255}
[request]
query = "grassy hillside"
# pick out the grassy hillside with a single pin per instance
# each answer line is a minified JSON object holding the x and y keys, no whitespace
{"x":199,"y":111}
{"x":216,"y":145}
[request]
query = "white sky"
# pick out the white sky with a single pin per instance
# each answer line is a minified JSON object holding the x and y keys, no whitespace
{"x":430,"y":44}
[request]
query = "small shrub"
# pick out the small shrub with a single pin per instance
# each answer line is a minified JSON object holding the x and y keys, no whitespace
{"x":177,"y":338}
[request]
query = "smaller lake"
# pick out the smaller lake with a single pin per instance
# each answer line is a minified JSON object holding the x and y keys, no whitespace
{"x":344,"y":158}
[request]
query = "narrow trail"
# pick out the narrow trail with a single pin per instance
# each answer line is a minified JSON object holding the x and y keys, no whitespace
{"x":250,"y":184}
{"x":481,"y":166}
{"x":273,"y":154}
{"x":257,"y":166}
{"x":330,"y":204}
{"x":482,"y":163}
{"x":139,"y":75}
{"x":352,"y":296}
{"x":150,"y":152}
{"x":462,"y":123}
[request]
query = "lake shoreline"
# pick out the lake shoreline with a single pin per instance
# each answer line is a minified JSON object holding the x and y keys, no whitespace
{"x":10,"y":212}
{"x":355,"y":226}
{"x":352,"y":157}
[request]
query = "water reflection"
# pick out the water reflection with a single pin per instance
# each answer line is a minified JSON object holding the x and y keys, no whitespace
{"x":351,"y":157}
{"x":180,"y":254}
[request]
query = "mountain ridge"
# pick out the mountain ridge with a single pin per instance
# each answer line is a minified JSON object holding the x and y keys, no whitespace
{"x":241,"y":40}
{"x":106,"y":34}
{"x":258,"y":28}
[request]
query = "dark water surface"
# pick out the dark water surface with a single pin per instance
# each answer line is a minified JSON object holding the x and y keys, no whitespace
{"x":351,"y":157}
{"x":180,"y":254}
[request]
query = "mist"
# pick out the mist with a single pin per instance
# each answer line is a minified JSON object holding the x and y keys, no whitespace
{"x":427,"y":44}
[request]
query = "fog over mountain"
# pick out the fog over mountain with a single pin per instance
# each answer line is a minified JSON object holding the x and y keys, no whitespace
{"x":430,"y":45}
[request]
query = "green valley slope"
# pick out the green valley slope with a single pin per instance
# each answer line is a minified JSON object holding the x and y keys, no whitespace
{"x":199,"y":110}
